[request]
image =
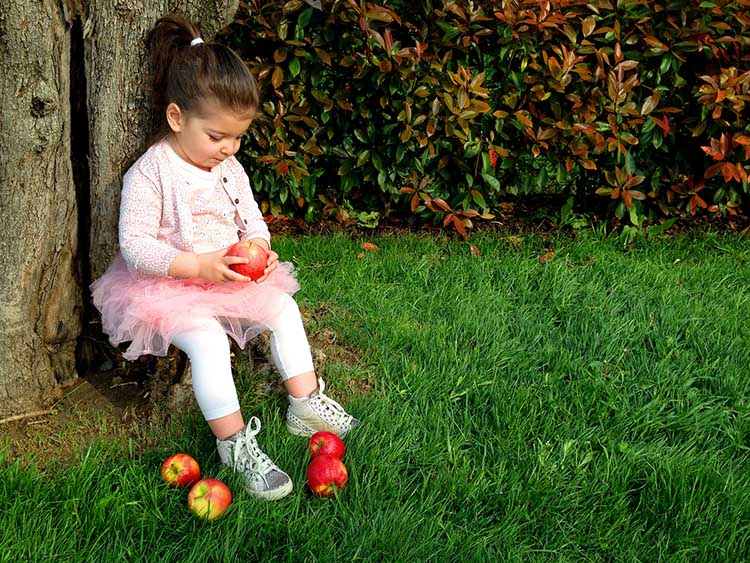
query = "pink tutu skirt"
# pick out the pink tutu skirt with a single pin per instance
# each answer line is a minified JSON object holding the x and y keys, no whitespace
{"x":149,"y":311}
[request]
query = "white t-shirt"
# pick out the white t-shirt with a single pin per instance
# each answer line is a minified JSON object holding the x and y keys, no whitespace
{"x":213,"y":213}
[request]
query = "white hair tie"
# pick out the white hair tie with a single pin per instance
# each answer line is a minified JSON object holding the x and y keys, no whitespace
{"x":196,"y":41}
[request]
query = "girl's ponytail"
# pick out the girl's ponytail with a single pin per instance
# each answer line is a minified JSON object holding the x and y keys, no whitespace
{"x":170,"y":36}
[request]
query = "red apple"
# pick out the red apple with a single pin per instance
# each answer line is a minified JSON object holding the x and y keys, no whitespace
{"x":326,"y":443}
{"x":209,"y":498}
{"x":257,"y":256}
{"x":325,"y":474}
{"x":181,"y":470}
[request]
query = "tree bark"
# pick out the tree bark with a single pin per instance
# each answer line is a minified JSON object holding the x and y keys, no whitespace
{"x":49,"y":253}
{"x":40,"y":305}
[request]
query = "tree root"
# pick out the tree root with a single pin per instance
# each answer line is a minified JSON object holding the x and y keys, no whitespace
{"x":27,"y":415}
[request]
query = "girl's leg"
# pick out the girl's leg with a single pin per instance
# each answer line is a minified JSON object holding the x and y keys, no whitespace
{"x":213,"y":384}
{"x":291,"y":351}
{"x":310,"y":410}
{"x":301,"y":385}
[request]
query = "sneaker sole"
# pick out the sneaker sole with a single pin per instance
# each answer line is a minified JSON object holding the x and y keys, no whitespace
{"x":275,"y":494}
{"x":297,"y":431}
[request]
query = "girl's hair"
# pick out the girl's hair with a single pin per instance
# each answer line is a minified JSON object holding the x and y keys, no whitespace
{"x":191,"y":75}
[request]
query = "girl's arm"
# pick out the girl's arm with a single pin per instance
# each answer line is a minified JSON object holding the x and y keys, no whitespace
{"x":211,"y":266}
{"x":140,"y":218}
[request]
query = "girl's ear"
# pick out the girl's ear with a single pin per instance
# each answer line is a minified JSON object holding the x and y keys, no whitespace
{"x":175,"y":117}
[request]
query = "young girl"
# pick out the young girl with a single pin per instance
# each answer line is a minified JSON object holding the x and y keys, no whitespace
{"x":184,"y":203}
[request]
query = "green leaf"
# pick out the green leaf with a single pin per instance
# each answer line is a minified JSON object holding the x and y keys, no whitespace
{"x":656,"y":230}
{"x":382,"y":178}
{"x":364,"y":156}
{"x":368,"y":219}
{"x":666,"y":62}
{"x":400,"y":152}
{"x":294,"y":66}
{"x":493,"y":182}
{"x":305,"y":17}
{"x":450,"y":30}
{"x":479,"y":198}
{"x":472,"y":150}
{"x":360,"y":135}
{"x":635,"y":217}
{"x":630,"y":166}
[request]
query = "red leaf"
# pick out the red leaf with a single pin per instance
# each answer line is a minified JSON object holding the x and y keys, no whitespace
{"x":493,"y":157}
{"x":627,"y":199}
{"x":414,"y":203}
{"x":713,"y":170}
{"x":726,"y":145}
{"x":547,"y":256}
{"x":650,"y":103}
{"x":460,"y":226}
{"x":442,"y":204}
{"x":588,"y":164}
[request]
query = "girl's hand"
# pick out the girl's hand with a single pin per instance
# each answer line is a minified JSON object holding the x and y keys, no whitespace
{"x":214,"y":267}
{"x":273,"y":262}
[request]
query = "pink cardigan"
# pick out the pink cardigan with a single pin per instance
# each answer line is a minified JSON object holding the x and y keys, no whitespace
{"x":156,"y":223}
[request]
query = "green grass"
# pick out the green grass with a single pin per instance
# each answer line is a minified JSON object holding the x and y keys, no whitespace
{"x":591,"y":408}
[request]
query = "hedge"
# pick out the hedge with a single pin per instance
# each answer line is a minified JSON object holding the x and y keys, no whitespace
{"x":439,"y":111}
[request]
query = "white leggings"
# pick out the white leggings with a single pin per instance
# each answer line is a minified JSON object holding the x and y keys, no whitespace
{"x":208,"y":350}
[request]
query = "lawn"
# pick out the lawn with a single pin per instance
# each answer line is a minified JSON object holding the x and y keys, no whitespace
{"x":591,"y":406}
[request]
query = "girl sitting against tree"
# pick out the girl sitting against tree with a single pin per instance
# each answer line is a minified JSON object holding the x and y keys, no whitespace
{"x":184,"y":203}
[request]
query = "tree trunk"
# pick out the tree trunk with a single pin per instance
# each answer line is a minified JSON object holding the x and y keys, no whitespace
{"x":46,"y":266}
{"x":40,"y":306}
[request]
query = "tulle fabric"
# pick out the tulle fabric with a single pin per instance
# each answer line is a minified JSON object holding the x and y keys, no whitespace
{"x":149,"y":311}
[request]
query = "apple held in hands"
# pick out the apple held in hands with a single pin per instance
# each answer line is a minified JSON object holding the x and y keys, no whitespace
{"x":325,"y":474}
{"x":181,"y":470}
{"x":326,"y":443}
{"x":209,"y":498}
{"x":256,"y":255}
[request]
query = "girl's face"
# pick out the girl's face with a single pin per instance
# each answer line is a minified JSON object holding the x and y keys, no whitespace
{"x":205,"y":139}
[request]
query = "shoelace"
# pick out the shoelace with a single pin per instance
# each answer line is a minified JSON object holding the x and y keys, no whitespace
{"x":254,"y":460}
{"x":332,"y":411}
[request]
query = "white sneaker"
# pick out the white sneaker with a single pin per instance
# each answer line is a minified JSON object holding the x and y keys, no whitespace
{"x":241,"y":452}
{"x":317,"y":413}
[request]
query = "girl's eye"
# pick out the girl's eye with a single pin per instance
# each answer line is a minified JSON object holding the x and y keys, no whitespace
{"x":215,"y":138}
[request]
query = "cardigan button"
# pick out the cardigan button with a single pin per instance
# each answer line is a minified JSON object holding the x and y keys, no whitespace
{"x":236,"y":200}
{"x":225,"y":180}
